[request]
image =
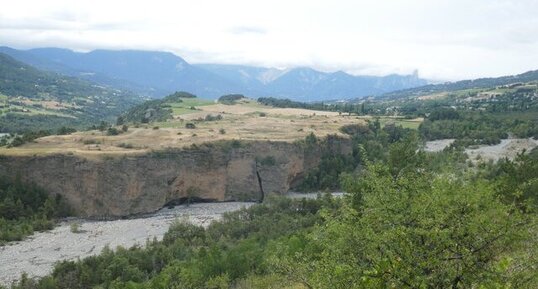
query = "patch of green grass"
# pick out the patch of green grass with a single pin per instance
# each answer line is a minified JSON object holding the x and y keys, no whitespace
{"x":405,"y":123}
{"x":38,"y":111}
{"x":519,"y":115}
{"x":184,"y":107}
{"x":467,"y":92}
{"x":252,"y":103}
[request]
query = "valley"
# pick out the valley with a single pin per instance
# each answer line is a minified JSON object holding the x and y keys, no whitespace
{"x":103,"y":187}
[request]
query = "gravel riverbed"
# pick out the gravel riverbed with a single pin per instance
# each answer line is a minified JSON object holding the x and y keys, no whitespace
{"x":37,"y":254}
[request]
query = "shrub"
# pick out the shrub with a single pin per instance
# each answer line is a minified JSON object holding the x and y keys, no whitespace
{"x":125,"y":145}
{"x":267,"y":161}
{"x":230,"y":98}
{"x":90,"y":141}
{"x":75,"y":228}
{"x":112,"y":131}
{"x":66,"y":130}
{"x":210,"y":117}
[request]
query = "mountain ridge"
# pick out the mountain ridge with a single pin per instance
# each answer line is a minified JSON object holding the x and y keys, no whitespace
{"x":478,"y":83}
{"x":34,"y":99}
{"x":157,"y":73}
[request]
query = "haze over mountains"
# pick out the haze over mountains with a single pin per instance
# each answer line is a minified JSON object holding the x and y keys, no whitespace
{"x":156,"y":74}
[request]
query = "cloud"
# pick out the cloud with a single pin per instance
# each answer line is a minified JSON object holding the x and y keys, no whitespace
{"x":443,"y":39}
{"x":240,"y":30}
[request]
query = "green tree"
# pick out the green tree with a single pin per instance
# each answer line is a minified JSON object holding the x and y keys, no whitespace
{"x":414,"y":231}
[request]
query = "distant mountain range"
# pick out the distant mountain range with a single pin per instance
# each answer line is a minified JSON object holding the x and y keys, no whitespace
{"x":479,"y":83}
{"x":157,"y":74}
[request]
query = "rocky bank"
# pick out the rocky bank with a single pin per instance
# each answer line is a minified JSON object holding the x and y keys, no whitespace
{"x":111,"y":186}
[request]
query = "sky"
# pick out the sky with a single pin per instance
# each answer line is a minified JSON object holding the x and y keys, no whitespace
{"x":443,"y":40}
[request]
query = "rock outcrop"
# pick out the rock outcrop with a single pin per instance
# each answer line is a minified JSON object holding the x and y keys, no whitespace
{"x":116,"y":186}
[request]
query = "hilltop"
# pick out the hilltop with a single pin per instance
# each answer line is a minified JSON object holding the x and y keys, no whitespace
{"x":193,"y":120}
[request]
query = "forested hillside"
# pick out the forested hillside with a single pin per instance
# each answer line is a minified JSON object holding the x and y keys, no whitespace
{"x":38,"y":100}
{"x":408,"y":220}
{"x":465,"y":84}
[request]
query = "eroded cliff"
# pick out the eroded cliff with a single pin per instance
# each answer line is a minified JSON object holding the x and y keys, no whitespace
{"x":121,"y":185}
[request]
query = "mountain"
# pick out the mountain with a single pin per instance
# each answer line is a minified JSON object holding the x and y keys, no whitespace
{"x":250,"y":76}
{"x":480,"y":83}
{"x":157,"y":74}
{"x":53,"y":60}
{"x":35,"y":99}
{"x":307,"y":84}
{"x":146,"y":72}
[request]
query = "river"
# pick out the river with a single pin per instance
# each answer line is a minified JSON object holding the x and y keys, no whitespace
{"x":37,"y":254}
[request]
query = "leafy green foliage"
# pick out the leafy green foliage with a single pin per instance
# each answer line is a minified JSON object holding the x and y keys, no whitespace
{"x":517,"y":181}
{"x":25,"y":208}
{"x":371,"y":138}
{"x":476,"y":128}
{"x":416,"y":230}
{"x":404,"y":223}
{"x":149,"y":111}
{"x":189,"y":256}
{"x":178,"y":95}
{"x":17,"y":123}
{"x":230,"y":99}
{"x":156,"y":110}
{"x":30,"y":136}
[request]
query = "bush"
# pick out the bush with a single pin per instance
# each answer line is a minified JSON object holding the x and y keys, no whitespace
{"x":17,"y":141}
{"x":230,"y":98}
{"x":65,"y":130}
{"x":125,"y":145}
{"x":25,"y":208}
{"x":190,"y":125}
{"x":210,"y":117}
{"x":112,"y":131}
{"x":75,"y":228}
{"x":90,"y":141}
{"x":267,"y":161}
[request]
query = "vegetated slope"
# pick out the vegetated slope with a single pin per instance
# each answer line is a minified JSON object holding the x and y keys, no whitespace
{"x":153,"y":73}
{"x":158,"y":110}
{"x":25,"y":208}
{"x":157,"y":73}
{"x":34,"y":99}
{"x":54,"y":63}
{"x":464,"y":84}
{"x":404,"y":222}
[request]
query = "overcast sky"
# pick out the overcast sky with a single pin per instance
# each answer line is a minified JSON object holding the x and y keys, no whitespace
{"x":444,"y":40}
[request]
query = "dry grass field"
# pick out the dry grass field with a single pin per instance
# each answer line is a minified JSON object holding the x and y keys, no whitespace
{"x":246,"y":120}
{"x":243,"y":121}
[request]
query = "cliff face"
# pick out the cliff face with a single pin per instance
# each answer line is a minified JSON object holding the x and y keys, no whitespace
{"x":125,"y":185}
